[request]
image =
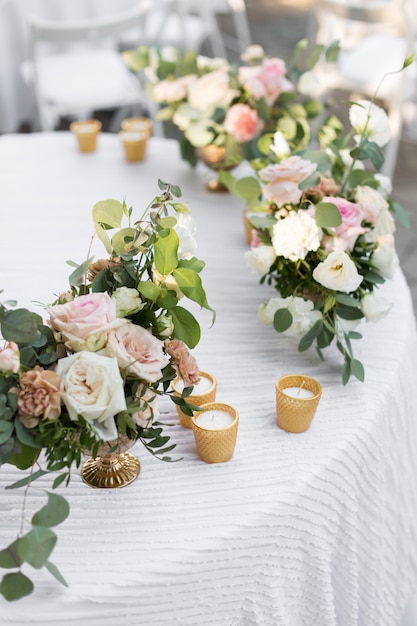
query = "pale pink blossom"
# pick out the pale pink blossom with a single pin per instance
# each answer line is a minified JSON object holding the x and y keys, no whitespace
{"x":283,"y":179}
{"x":137,"y":351}
{"x":9,"y":358}
{"x":351,"y":227}
{"x":211,"y":89}
{"x":243,"y":122}
{"x":183,"y":362}
{"x":266,"y":80}
{"x":91,"y":314}
{"x":172,"y":90}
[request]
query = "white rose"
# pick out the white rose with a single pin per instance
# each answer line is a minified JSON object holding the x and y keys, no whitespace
{"x":338,"y":272}
{"x":366,"y":117}
{"x":127,"y":300}
{"x":93,"y":388}
{"x":371,"y":201}
{"x":295,"y":236}
{"x":280,"y":145}
{"x":211,"y":89}
{"x":375,"y":307}
{"x":186,"y":228}
{"x":309,"y":84}
{"x":169,"y":91}
{"x":260,"y":259}
{"x":385,"y":259}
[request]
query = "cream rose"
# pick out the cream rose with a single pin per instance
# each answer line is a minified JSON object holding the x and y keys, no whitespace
{"x":371,"y":201}
{"x":295,"y":236}
{"x":93,"y":388}
{"x":211,"y":89}
{"x":260,"y":259}
{"x":128,"y":301}
{"x":338,"y":272}
{"x":137,"y":351}
{"x":283,"y":179}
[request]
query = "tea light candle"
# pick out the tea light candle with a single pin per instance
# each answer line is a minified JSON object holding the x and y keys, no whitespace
{"x":214,"y":419}
{"x":298,"y":392}
{"x":199,"y":388}
{"x":86,"y":127}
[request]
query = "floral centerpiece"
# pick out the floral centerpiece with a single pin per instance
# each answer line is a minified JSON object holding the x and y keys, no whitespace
{"x":95,"y":369}
{"x":212,"y":102}
{"x":323,"y":230}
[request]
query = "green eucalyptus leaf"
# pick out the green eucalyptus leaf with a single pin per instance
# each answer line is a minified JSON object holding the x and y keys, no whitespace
{"x":122,"y":241}
{"x":76,"y":278}
{"x":358,"y":178}
{"x":348,"y":312}
{"x":136,"y":60}
{"x":310,"y":181}
{"x":310,"y":336}
{"x":6,"y":430}
{"x":36,"y":546}
{"x":282,"y":320}
{"x":28,"y":479}
{"x":400,"y":213}
{"x":344,"y":298}
{"x":10,"y":557}
{"x":357,"y":370}
{"x":19,"y":325}
{"x":228,"y":181}
{"x":327,"y":215}
{"x":107,"y":214}
{"x":346,"y":372}
{"x":15,"y":586}
{"x":25,"y":458}
{"x":332,"y":51}
{"x":149,"y":290}
{"x":166,"y":252}
{"x":24,"y":435}
{"x":53,"y":513}
{"x":374,"y":278}
{"x":248,"y":188}
{"x":186,"y":326}
{"x":191,"y":286}
{"x":52,"y":569}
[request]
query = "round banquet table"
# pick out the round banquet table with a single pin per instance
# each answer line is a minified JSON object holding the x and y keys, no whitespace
{"x":312,"y":529}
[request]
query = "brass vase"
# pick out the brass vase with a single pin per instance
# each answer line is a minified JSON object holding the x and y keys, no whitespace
{"x":217,"y":158}
{"x":113,"y":466}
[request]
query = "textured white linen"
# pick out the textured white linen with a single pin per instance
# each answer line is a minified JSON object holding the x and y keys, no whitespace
{"x":315,"y":529}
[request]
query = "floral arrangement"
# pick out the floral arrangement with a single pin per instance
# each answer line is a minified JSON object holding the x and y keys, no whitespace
{"x":110,"y":347}
{"x":213,"y":102}
{"x":323,"y":226}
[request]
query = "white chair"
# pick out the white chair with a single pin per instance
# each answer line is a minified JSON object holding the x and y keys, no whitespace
{"x":76,"y":67}
{"x":375,"y":37}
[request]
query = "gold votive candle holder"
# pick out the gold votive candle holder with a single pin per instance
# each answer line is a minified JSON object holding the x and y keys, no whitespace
{"x":297,"y":398}
{"x":141,"y":124}
{"x":215,"y":432}
{"x":86,"y":133}
{"x":134,"y":145}
{"x":203,"y":392}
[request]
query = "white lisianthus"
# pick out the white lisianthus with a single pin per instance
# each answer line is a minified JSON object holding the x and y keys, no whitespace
{"x":186,"y":229}
{"x":371,"y":201}
{"x":302,"y":311}
{"x":280,"y":145}
{"x":384,"y":258}
{"x":128,"y":301}
{"x":295,"y":236}
{"x":338,"y":272}
{"x":375,"y":307}
{"x":309,"y":84}
{"x":348,"y":161}
{"x":260,"y":259}
{"x":385,"y":184}
{"x":93,"y":388}
{"x":366,"y":117}
{"x":384,"y":225}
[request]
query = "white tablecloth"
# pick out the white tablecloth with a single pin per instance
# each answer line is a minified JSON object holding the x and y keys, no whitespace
{"x":315,"y":529}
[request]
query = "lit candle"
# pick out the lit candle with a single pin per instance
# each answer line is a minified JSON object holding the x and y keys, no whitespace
{"x":199,"y":388}
{"x":86,"y":128}
{"x":298,"y":392}
{"x":214,"y":419}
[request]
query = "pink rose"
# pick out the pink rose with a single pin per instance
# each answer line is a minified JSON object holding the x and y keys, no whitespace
{"x":138,"y":351}
{"x":9,"y":358}
{"x":266,"y":80}
{"x":243,"y":122}
{"x":86,"y":315}
{"x":284,"y":178}
{"x":183,"y":362}
{"x":350,"y":228}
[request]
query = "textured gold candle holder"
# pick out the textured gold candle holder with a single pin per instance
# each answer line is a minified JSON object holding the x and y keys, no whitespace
{"x":142,"y":124}
{"x":134,"y":145}
{"x":195,"y":398}
{"x":113,"y":466}
{"x":294,"y":412}
{"x":86,"y":132}
{"x":216,"y":445}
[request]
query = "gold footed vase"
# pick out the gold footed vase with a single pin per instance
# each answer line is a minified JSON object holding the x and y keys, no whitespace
{"x":217,"y":158}
{"x":113,"y":466}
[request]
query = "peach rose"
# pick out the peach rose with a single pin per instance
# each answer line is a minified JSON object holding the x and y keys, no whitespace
{"x":39,"y":396}
{"x":243,"y":122}
{"x":183,"y":362}
{"x":138,"y":351}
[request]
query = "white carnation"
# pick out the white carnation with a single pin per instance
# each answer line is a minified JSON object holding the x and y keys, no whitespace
{"x":296,"y":235}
